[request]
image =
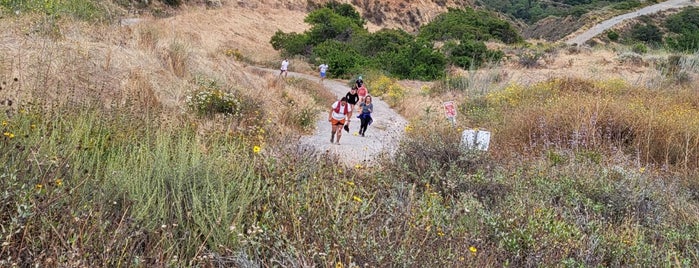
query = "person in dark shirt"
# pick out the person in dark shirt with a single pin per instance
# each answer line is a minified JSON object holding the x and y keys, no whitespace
{"x":352,"y":97}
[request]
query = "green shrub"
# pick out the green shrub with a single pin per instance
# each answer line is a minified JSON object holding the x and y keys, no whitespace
{"x":627,"y":5}
{"x":343,"y":58}
{"x":386,"y":40}
{"x":471,"y":54}
{"x":683,"y":21}
{"x":461,"y":24}
{"x":688,"y":42}
{"x":639,"y":48}
{"x":328,"y":25}
{"x":290,"y":44}
{"x":613,"y":36}
{"x":647,"y":33}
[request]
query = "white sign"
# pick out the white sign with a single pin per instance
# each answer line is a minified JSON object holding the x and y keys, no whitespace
{"x":475,"y":139}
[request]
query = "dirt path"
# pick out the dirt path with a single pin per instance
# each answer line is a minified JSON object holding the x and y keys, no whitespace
{"x":382,"y":136}
{"x":581,"y":38}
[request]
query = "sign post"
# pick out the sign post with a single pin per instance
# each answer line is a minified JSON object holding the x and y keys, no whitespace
{"x":450,"y":112}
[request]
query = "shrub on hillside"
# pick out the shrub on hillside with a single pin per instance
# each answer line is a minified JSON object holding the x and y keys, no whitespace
{"x":290,"y":43}
{"x":647,"y":33}
{"x":210,"y":98}
{"x":613,"y":36}
{"x":467,"y":23}
{"x":342,"y":57}
{"x":471,"y":54}
{"x":683,"y":21}
{"x":687,"y":42}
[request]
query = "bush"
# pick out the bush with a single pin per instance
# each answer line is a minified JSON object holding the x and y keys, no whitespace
{"x":461,"y":24}
{"x":343,"y":58}
{"x":471,"y":54}
{"x":688,"y":42}
{"x":639,"y":48}
{"x":647,"y":33}
{"x":613,"y":36}
{"x":683,"y":21}
{"x":290,"y":44}
{"x":529,"y":59}
{"x":209,"y":99}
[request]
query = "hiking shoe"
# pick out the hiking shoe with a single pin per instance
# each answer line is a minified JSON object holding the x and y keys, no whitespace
{"x":332,"y":139}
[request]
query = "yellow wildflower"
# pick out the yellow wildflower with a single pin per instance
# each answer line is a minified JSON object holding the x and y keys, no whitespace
{"x":440,"y":233}
{"x":473,"y":249}
{"x":58,"y":182}
{"x":350,"y":183}
{"x":643,"y":169}
{"x":356,"y":198}
{"x":39,"y":186}
{"x":4,"y":123}
{"x":256,"y":149}
{"x":357,"y":166}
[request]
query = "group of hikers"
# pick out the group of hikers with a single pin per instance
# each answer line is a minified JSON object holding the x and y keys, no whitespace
{"x":341,"y":111}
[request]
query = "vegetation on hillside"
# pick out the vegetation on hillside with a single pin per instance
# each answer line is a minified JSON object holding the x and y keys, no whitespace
{"x":533,"y":11}
{"x":98,"y":171}
{"x":679,"y":32}
{"x":337,"y":37}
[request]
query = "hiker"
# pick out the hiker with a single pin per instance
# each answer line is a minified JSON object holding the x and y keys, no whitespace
{"x":366,"y":108}
{"x":362,"y":92}
{"x":323,"y":68}
{"x":359,"y":81}
{"x":352,"y":97}
{"x":339,"y":116}
{"x":285,"y":68}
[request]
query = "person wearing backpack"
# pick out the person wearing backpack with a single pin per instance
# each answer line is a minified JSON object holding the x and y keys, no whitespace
{"x":339,"y":116}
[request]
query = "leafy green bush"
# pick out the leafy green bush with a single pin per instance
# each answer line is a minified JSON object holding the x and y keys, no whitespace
{"x":683,"y":21}
{"x":471,"y":54}
{"x":328,"y":25}
{"x":386,"y":40}
{"x":613,"y":36}
{"x":627,"y":5}
{"x":647,"y":33}
{"x":639,"y":48}
{"x":688,"y":41}
{"x":343,"y":58}
{"x":290,"y":43}
{"x":467,"y":23}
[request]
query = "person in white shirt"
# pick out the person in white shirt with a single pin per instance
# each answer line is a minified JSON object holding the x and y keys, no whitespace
{"x":285,"y":68}
{"x":323,"y":69}
{"x":339,"y":116}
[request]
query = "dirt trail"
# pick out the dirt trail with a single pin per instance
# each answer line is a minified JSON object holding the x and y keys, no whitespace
{"x":382,"y":136}
{"x":581,"y":38}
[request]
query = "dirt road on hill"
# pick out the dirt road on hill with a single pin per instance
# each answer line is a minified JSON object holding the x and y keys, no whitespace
{"x":382,"y":137}
{"x":581,"y":38}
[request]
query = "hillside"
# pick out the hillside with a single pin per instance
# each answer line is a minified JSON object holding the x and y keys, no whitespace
{"x":169,"y":139}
